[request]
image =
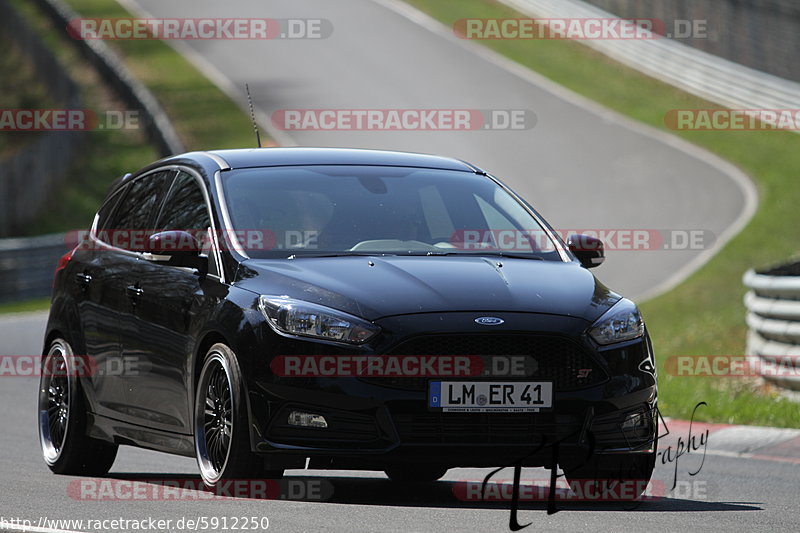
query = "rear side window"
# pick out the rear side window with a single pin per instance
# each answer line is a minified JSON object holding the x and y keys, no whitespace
{"x":141,"y":199}
{"x":132,"y":218}
{"x":107,"y":209}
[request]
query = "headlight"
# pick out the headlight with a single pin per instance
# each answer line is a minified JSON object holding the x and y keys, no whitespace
{"x":296,"y":317}
{"x":623,"y":322}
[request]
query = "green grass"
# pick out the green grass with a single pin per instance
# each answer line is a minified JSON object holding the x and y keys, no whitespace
{"x":203,"y":115}
{"x":39,"y":304}
{"x":705,"y":314}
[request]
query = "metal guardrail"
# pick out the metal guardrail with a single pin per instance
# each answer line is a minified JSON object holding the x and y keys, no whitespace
{"x":700,"y":73}
{"x":27,"y":265}
{"x":773,"y":319}
{"x":761,"y":34}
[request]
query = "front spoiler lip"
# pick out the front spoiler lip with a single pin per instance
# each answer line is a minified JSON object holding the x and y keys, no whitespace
{"x":466,"y":456}
{"x":576,"y":440}
{"x":268,"y":447}
{"x":650,"y":448}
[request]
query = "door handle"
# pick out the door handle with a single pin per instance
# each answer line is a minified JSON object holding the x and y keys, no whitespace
{"x":134,"y":293}
{"x":83,"y":278}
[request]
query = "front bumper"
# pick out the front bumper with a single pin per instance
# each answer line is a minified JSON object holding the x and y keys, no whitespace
{"x":373,"y":423}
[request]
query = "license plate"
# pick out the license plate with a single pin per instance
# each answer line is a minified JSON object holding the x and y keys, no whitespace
{"x":490,"y":396}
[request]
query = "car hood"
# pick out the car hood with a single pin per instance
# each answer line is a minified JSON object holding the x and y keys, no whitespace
{"x":382,"y":286}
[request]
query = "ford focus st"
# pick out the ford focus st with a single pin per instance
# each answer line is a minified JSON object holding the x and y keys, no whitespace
{"x":268,"y":309}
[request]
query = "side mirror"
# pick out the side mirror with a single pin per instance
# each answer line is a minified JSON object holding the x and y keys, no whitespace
{"x":589,"y":250}
{"x":176,"y":248}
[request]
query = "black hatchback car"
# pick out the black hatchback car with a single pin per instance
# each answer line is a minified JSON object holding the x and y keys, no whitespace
{"x":271,"y":309}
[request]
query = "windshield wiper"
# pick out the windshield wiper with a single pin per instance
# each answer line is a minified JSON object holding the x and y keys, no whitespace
{"x":417,"y":254}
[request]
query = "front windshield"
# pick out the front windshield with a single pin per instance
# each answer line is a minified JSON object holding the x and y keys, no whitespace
{"x":375,"y":210}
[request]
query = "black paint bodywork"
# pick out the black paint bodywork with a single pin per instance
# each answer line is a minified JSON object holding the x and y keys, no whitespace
{"x":179,"y":315}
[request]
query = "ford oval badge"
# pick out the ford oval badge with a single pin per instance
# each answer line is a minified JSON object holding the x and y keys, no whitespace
{"x":489,"y":321}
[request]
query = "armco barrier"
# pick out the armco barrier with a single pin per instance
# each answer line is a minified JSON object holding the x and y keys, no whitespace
{"x":762,"y":34}
{"x":773,"y":320}
{"x":27,"y":266}
{"x":694,"y":71}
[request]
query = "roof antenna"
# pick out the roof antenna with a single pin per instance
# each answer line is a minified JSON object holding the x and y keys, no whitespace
{"x":252,"y":114}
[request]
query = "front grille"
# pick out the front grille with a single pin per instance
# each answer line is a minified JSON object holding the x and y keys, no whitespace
{"x":483,"y":428}
{"x":559,"y":359}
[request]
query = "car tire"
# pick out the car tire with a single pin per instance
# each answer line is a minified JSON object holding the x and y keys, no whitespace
{"x":415,"y":473}
{"x":221,"y":428}
{"x":66,"y":447}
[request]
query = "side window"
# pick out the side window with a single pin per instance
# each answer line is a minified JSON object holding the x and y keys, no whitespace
{"x":142,"y":198}
{"x":107,"y":209}
{"x":185,"y":207}
{"x":128,"y":221}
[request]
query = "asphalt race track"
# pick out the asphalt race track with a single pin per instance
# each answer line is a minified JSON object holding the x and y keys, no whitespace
{"x":581,"y":166}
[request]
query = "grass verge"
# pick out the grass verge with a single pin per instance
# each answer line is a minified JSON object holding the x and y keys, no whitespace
{"x":203,"y":115}
{"x":38,"y":304}
{"x":705,"y":314}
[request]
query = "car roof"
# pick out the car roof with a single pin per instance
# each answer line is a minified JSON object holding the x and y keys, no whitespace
{"x":210,"y":161}
{"x":271,"y":157}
